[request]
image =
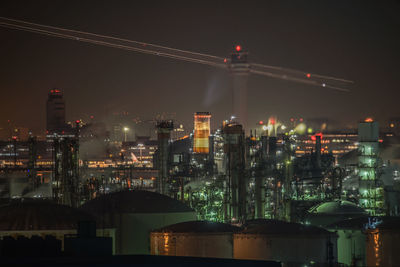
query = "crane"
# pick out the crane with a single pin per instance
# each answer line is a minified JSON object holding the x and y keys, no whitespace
{"x":237,"y":64}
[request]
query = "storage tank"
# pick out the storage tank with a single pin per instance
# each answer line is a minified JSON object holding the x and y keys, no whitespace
{"x":292,"y":244}
{"x":351,"y":241}
{"x":330,"y":212}
{"x":134,"y":214}
{"x":383,"y":246}
{"x":194,"y":239}
{"x":37,"y":217}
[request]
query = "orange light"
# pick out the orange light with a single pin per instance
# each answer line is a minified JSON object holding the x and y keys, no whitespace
{"x":369,"y":120}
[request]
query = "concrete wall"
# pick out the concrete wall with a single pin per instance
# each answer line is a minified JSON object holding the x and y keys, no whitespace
{"x":59,"y":234}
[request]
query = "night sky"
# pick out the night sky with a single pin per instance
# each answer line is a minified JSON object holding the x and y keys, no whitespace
{"x":355,"y":40}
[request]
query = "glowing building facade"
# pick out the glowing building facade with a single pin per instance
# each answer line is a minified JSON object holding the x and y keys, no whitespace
{"x":201,"y":144}
{"x":370,"y":189}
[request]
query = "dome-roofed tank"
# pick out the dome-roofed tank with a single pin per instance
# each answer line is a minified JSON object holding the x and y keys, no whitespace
{"x":290,"y":243}
{"x":334,"y":211}
{"x":36,"y":214}
{"x":136,"y":201}
{"x":134,"y":214}
{"x":194,"y":239}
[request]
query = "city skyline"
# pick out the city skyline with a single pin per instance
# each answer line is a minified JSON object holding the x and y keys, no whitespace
{"x":355,"y":41}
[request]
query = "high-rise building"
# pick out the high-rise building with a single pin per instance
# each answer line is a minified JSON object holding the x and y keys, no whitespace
{"x":370,"y":189}
{"x":55,"y":112}
{"x":201,"y":136}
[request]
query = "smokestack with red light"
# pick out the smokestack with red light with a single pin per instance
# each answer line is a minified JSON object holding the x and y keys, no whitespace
{"x":239,"y":69}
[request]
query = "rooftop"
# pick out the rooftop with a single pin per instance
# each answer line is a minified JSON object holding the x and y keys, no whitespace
{"x":135,"y":201}
{"x":34,"y":214}
{"x":199,"y":227}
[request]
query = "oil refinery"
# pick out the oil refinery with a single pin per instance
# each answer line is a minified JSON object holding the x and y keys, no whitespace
{"x":277,"y":183}
{"x":272,"y":191}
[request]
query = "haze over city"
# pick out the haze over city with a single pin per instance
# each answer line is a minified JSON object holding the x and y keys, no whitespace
{"x":355,"y":40}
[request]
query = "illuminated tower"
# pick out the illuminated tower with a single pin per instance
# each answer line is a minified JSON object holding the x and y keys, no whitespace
{"x":370,"y":189}
{"x":201,"y":142}
{"x":55,"y":112}
{"x":239,"y":69}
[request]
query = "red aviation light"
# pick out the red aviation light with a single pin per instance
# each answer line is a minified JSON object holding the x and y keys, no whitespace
{"x":238,"y":48}
{"x":308,"y":75}
{"x":261,"y":122}
{"x":272,"y":121}
{"x":314,"y":137}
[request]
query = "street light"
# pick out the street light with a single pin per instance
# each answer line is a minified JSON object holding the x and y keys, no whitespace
{"x":126,"y":129}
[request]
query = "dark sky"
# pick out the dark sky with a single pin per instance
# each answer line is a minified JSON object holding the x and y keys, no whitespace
{"x":356,"y":40}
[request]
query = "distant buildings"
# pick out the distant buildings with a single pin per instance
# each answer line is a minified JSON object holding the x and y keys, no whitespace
{"x":55,"y":113}
{"x":337,"y":143}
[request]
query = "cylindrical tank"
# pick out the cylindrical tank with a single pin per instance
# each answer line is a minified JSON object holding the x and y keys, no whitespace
{"x":292,"y":244}
{"x":382,"y":241}
{"x":134,"y":214}
{"x":194,"y":239}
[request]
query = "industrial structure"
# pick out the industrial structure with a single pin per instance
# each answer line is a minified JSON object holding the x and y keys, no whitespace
{"x":201,"y":132}
{"x":273,"y":180}
{"x":240,"y":70}
{"x":371,"y":190}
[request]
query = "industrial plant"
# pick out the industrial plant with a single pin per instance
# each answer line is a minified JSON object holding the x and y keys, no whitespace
{"x":281,"y":192}
{"x":218,"y":193}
